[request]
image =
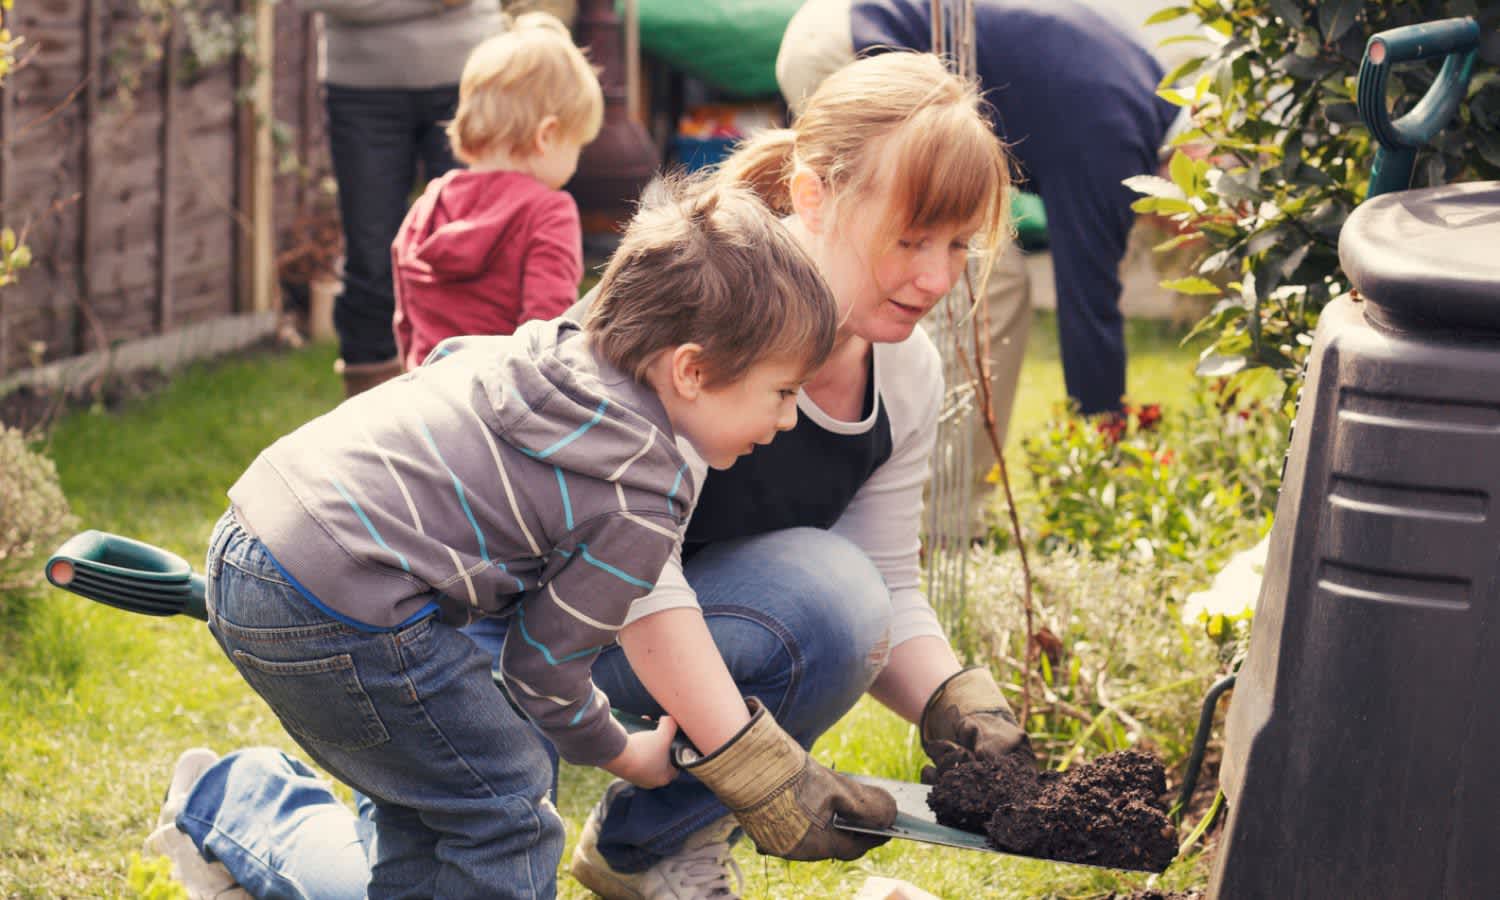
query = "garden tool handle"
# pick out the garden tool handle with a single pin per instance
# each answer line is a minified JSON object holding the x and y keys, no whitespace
{"x":682,"y":752}
{"x":127,"y":574}
{"x":1399,"y":140}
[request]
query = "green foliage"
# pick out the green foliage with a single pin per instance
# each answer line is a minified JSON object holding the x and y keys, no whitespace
{"x":1117,"y":668}
{"x":151,"y":879}
{"x":33,"y":511}
{"x":1186,"y":485}
{"x":1277,"y":159}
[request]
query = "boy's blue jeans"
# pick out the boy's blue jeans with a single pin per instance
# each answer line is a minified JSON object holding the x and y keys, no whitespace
{"x":409,"y":717}
{"x":801,"y":617}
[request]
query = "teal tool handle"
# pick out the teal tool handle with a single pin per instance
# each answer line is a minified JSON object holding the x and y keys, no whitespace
{"x":127,"y":574}
{"x":1455,"y":39}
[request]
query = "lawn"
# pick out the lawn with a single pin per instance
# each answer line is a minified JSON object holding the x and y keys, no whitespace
{"x":98,"y":703}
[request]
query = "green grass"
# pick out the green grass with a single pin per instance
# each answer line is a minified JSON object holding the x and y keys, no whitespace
{"x":98,"y":703}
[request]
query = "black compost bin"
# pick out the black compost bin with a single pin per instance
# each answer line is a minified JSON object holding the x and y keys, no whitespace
{"x":1363,"y":737}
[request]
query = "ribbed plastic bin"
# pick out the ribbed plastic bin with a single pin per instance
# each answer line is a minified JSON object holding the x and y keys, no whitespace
{"x":1363,"y":737}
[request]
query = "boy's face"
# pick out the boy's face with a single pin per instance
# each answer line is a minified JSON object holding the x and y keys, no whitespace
{"x":729,"y":421}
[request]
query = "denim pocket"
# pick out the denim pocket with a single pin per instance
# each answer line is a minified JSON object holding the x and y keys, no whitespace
{"x":321,"y":699}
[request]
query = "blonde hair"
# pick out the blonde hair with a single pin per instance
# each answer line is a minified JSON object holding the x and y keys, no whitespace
{"x":514,"y":80}
{"x":900,"y":122}
{"x":709,"y":264}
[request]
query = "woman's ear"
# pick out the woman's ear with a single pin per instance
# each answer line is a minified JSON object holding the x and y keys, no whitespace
{"x":686,"y":369}
{"x":809,"y":198}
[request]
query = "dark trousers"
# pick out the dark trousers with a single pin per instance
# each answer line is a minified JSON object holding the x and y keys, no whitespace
{"x":382,"y":141}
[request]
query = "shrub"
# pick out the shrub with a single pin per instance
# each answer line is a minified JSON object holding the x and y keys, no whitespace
{"x":33,"y":511}
{"x":1191,"y":485}
{"x":1283,"y":159}
{"x":1117,"y":668}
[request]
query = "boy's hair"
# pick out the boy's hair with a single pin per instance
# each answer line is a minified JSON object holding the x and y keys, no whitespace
{"x":711,"y":265}
{"x":517,"y":78}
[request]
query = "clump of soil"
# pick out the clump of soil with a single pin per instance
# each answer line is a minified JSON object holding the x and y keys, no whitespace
{"x":1105,"y":813}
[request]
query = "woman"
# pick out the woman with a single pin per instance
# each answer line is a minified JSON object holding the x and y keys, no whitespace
{"x":802,"y":560}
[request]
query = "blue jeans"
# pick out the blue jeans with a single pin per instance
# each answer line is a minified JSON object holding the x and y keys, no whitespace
{"x":382,"y":141}
{"x":301,"y":844}
{"x":410,"y":717}
{"x":801,"y":617}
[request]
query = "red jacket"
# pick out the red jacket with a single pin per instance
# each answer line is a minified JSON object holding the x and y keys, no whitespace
{"x":480,"y":253}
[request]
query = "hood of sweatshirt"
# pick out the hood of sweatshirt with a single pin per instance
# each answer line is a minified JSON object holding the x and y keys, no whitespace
{"x":454,"y":228}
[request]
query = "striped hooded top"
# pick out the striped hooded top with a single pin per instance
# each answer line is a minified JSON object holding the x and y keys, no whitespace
{"x":516,"y":475}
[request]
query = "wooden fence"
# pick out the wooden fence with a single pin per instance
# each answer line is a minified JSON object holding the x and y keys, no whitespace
{"x":149,"y":188}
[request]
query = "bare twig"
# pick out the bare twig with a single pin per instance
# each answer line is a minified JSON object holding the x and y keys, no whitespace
{"x":978,"y":369}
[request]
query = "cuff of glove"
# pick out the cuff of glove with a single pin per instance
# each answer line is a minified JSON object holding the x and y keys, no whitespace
{"x":753,"y":764}
{"x":969,"y":691}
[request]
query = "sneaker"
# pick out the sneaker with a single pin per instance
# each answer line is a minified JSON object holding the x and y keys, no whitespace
{"x":203,"y":880}
{"x":703,"y":869}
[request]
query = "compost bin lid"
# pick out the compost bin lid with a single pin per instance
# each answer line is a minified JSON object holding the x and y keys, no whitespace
{"x":1429,"y":256}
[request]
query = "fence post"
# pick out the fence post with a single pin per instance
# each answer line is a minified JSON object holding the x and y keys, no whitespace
{"x":166,"y":259}
{"x":255,"y":246}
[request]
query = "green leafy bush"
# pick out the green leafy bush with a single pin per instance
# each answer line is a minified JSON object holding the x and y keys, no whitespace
{"x":1279,"y":159}
{"x":1188,"y":485}
{"x":33,"y":511}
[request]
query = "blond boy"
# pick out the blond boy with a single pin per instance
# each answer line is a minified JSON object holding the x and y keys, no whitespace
{"x":488,"y":248}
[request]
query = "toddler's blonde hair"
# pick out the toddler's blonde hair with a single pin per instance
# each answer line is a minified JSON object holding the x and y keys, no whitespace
{"x":514,"y":80}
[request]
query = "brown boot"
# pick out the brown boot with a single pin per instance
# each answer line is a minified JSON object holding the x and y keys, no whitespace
{"x":360,"y":377}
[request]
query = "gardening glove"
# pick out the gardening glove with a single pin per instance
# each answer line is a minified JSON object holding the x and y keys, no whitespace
{"x":784,"y":799}
{"x":968,"y":716}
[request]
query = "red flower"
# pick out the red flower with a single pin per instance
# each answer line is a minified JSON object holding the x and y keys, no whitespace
{"x":1112,"y":427}
{"x":1148,"y":416}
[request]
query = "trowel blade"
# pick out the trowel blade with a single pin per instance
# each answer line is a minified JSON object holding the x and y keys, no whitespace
{"x":916,"y":822}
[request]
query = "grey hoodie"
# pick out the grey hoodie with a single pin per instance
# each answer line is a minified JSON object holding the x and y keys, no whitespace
{"x":401,"y":44}
{"x":517,"y":475}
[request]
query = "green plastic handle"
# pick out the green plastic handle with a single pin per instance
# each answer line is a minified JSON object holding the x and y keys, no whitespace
{"x":127,"y":574}
{"x":1399,"y":140}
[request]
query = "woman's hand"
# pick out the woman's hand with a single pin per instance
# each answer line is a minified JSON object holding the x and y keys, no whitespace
{"x":646,"y":761}
{"x":968,"y":716}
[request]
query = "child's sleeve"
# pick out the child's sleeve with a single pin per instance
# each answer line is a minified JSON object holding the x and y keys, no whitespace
{"x":558,"y":630}
{"x":554,"y":260}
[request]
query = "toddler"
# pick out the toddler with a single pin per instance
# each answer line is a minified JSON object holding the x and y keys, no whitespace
{"x":498,"y":244}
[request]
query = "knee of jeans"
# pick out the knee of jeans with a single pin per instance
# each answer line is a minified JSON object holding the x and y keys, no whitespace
{"x":844,"y":603}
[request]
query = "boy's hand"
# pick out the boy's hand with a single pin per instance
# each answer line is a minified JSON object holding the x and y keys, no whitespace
{"x":646,"y":761}
{"x":785,"y":800}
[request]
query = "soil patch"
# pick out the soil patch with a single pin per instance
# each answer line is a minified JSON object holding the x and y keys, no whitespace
{"x":1109,"y":812}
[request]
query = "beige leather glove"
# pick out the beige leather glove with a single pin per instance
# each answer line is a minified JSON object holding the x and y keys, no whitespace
{"x":968,"y":714}
{"x":785,"y":800}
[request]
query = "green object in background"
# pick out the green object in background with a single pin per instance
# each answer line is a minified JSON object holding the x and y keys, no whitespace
{"x":1029,"y":217}
{"x":731,"y":45}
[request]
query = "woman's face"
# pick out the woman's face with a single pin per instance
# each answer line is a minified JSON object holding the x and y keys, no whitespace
{"x":884,"y":289}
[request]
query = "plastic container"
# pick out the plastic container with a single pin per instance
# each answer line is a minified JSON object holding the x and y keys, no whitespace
{"x":1362,"y":734}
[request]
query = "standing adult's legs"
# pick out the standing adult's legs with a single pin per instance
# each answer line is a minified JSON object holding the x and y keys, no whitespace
{"x":1088,"y":226}
{"x":374,"y":149}
{"x":802,"y":619}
